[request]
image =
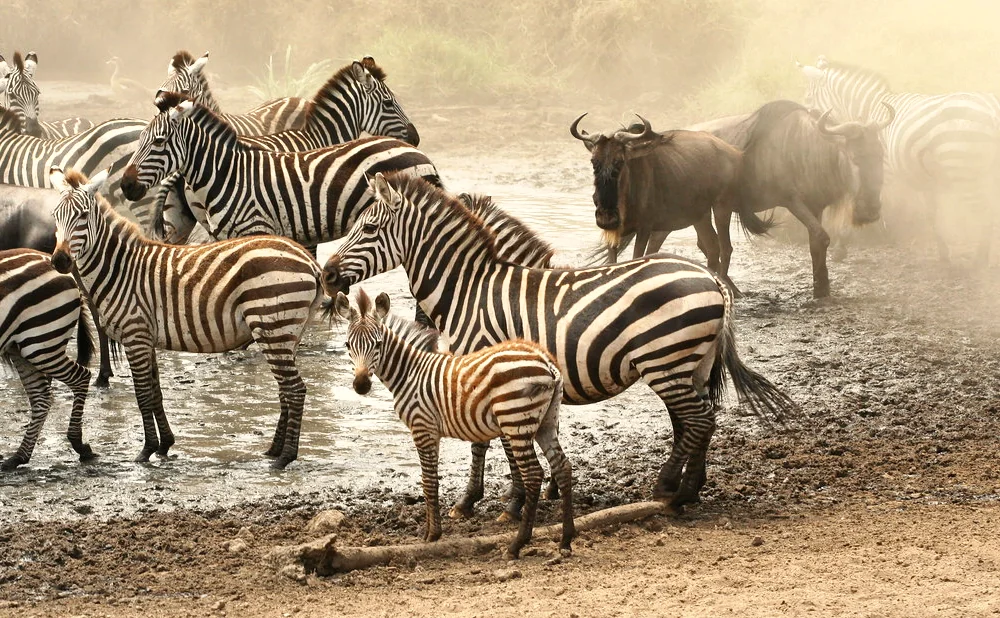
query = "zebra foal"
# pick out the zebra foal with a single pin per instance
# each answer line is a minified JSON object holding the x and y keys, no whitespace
{"x":209,"y":298}
{"x":511,"y":389}
{"x":39,"y":308}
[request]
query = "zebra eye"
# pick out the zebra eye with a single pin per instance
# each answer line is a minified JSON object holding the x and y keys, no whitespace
{"x":159,"y":141}
{"x":369,"y":228}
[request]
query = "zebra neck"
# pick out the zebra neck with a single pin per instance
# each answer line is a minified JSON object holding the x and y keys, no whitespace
{"x":206,"y":98}
{"x":213,"y":160}
{"x":112,"y":242}
{"x":335,"y":116}
{"x":399,"y":361}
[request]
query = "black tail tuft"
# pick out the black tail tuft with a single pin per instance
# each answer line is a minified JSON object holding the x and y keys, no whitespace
{"x":752,"y":224}
{"x":84,"y":339}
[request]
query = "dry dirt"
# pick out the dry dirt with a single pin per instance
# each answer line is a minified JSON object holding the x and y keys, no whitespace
{"x":882,"y":500}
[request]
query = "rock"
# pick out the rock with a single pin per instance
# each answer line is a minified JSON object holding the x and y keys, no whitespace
{"x":235,"y":546}
{"x":219,"y":606}
{"x":502,"y":575}
{"x":294,"y":572}
{"x":554,"y":561}
{"x":83,"y":509}
{"x":757,"y":541}
{"x":326,"y":521}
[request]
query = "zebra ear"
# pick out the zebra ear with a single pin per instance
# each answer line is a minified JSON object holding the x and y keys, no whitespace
{"x":363,"y":76}
{"x":96,"y":183}
{"x":343,"y":306}
{"x":386,"y":194}
{"x":811,"y":72}
{"x":382,"y":306}
{"x":199,"y":64}
{"x":58,"y":179}
{"x":30,"y":63}
{"x":181,"y":110}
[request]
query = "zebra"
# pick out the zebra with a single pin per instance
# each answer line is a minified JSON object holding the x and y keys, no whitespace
{"x":38,"y":309}
{"x":511,"y":389}
{"x":25,"y":160}
{"x":21,"y":94}
{"x":661,"y":318}
{"x":209,"y":298}
{"x":934,"y":143}
{"x":311,"y":197}
{"x":355,"y":100}
{"x":185,"y":75}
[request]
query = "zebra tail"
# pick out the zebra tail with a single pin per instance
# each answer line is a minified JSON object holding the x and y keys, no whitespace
{"x":764,"y":399}
{"x":84,"y":337}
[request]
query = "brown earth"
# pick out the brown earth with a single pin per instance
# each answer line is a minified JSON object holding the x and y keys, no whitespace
{"x":881,"y":500}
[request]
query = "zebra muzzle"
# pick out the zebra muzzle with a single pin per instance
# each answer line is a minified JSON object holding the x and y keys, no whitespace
{"x":333,"y":281}
{"x":61,"y":260}
{"x":132,"y":189}
{"x":362,"y":382}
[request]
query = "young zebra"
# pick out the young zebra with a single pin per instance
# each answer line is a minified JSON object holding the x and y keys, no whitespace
{"x":311,"y":197}
{"x":185,"y":75}
{"x":209,"y":298}
{"x":354,"y":101}
{"x":21,"y":92}
{"x":38,"y":310}
{"x":511,"y":389}
{"x":662,"y":319}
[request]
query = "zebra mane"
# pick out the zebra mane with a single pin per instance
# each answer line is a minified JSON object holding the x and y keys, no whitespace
{"x":516,"y":242}
{"x":413,"y":334}
{"x":182,"y":59}
{"x":437,"y":202}
{"x":209,"y":121}
{"x":868,"y":74}
{"x":76,"y":179}
{"x":18,"y":61}
{"x":325,"y":94}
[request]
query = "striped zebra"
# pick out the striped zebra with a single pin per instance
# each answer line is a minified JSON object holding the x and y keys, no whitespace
{"x":185,"y":75}
{"x":936,"y":144}
{"x":311,"y":197}
{"x":660,"y":318}
{"x":511,"y":389}
{"x":25,"y":160}
{"x":21,"y":96}
{"x":39,"y":309}
{"x":209,"y":298}
{"x":354,"y":101}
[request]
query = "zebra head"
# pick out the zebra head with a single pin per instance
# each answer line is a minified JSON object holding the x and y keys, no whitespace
{"x":375,"y":243}
{"x":365,"y":333}
{"x":22,"y":92}
{"x":184,"y":75}
{"x":72,"y":216}
{"x":381,"y":113}
{"x":161,"y":149}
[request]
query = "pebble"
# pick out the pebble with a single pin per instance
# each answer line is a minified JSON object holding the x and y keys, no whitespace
{"x":757,"y":541}
{"x":502,"y":575}
{"x":326,"y":521}
{"x":235,"y":546}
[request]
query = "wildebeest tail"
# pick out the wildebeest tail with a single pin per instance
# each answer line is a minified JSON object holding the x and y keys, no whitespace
{"x":764,"y":399}
{"x":751,"y":223}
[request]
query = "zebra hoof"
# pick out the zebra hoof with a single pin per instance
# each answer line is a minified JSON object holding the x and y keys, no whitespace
{"x":552,"y":492}
{"x":12,"y":462}
{"x":508,"y":517}
{"x":460,"y":511}
{"x":280,"y":463}
{"x":85,"y":452}
{"x":143,"y":456}
{"x":272,"y":452}
{"x":102,"y":382}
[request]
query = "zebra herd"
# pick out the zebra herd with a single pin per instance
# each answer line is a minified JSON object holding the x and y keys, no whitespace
{"x":271,"y":185}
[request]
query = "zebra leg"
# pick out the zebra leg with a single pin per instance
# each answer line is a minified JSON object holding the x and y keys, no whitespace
{"x":474,"y":488}
{"x":527,"y":464}
{"x":146,"y":379}
{"x":427,"y":448}
{"x":77,"y":378}
{"x":669,"y":479}
{"x":562,"y":474}
{"x":278,"y":442}
{"x":291,"y":389}
{"x":38,"y":387}
{"x":698,"y":419}
{"x":515,"y":500}
{"x":105,"y":373}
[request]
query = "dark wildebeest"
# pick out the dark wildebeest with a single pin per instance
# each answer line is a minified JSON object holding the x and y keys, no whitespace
{"x":804,"y":164}
{"x":26,"y":223}
{"x":648,"y":184}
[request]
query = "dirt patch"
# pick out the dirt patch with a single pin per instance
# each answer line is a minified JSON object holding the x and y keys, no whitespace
{"x":882,"y":499}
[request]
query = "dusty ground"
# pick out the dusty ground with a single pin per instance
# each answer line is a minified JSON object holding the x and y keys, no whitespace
{"x":881,"y":501}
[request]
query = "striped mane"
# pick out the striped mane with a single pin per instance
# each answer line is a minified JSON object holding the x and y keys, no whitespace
{"x":415,"y":335}
{"x":203,"y":117}
{"x":77,"y":179}
{"x":868,"y":74}
{"x":436,"y":202}
{"x":516,"y":242}
{"x":182,"y":60}
{"x":330,"y":88}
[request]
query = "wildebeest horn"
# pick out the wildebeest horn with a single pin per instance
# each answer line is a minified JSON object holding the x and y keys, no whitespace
{"x":647,"y":129}
{"x":846,"y":129}
{"x":575,"y":132}
{"x":892,"y":116}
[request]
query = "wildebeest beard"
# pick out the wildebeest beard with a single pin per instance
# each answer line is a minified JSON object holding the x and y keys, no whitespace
{"x":606,"y":197}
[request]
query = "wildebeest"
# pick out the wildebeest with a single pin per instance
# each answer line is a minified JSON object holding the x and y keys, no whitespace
{"x":647,"y":184}
{"x":26,"y":223}
{"x":804,"y":164}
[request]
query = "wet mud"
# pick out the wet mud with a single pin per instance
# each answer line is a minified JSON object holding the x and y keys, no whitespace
{"x":897,"y":377}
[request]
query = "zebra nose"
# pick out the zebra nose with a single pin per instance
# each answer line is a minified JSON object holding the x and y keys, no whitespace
{"x":412,"y":137}
{"x":362,"y":384}
{"x":61,"y":260}
{"x":332,"y":279}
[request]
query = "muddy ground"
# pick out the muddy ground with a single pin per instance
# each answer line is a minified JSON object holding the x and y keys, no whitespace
{"x":883,"y":498}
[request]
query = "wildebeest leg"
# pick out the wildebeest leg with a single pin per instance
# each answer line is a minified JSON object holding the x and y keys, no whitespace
{"x":819,"y":240}
{"x":474,"y":489}
{"x":656,"y":240}
{"x":641,"y":240}
{"x":708,"y":241}
{"x":723,"y":217}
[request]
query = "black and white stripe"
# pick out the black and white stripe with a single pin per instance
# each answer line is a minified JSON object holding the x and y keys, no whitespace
{"x":511,"y":389}
{"x":210,"y":298}
{"x":935,"y":144}
{"x":39,"y":309}
{"x":21,"y":96}
{"x":311,"y":197}
{"x":662,"y":319}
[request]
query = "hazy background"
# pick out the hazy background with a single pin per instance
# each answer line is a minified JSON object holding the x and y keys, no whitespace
{"x":686,"y":59}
